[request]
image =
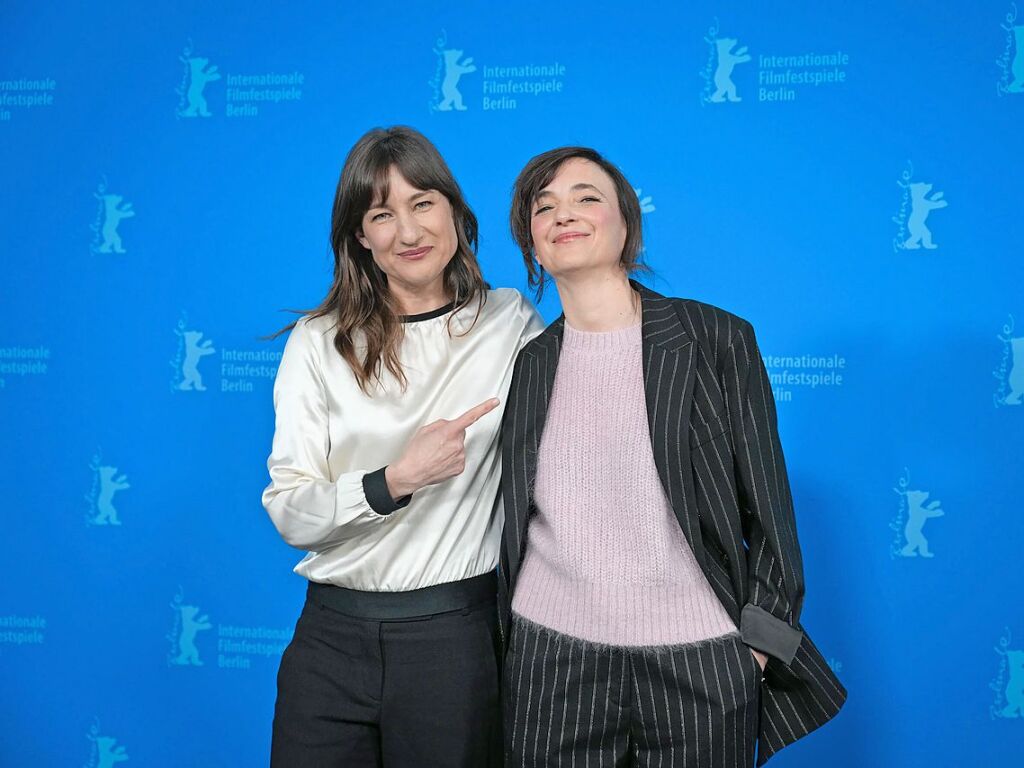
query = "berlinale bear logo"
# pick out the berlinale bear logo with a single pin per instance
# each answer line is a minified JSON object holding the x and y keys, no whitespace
{"x":105,"y":751}
{"x":1009,"y":681}
{"x":112,"y":211}
{"x":917,"y":514}
{"x":920,"y":206}
{"x":1015,"y":685}
{"x":1016,"y":377}
{"x":450,"y":69}
{"x":191,"y":349}
{"x":198,"y":72}
{"x":106,"y":482}
{"x":110,"y":483}
{"x":908,"y":523}
{"x":1017,"y":86}
{"x":1010,"y":373}
{"x":188,"y":623}
{"x":1011,"y":61}
{"x":194,"y":351}
{"x":453,"y":71}
{"x":916,"y":203}
{"x":727,"y":61}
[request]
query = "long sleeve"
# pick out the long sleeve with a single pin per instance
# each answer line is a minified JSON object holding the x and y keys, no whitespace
{"x":770,"y":621}
{"x":310,"y":509}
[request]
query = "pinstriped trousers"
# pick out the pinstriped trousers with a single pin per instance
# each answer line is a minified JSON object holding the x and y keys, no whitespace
{"x":573,"y":703}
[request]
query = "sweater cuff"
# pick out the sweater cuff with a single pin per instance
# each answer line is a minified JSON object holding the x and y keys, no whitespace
{"x":771,"y":635}
{"x":375,"y":488}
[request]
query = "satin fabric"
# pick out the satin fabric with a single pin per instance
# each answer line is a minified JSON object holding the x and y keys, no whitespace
{"x":329,"y":434}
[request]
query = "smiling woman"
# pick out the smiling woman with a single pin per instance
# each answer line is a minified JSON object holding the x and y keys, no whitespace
{"x":588,"y":185}
{"x":411,"y":234}
{"x":656,"y":562}
{"x":384,"y":470}
{"x":370,"y":285}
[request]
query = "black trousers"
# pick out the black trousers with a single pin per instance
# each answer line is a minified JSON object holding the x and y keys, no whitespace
{"x":569,"y":702}
{"x":391,"y":693}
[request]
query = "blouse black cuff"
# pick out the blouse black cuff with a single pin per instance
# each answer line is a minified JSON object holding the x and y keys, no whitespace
{"x":375,"y":488}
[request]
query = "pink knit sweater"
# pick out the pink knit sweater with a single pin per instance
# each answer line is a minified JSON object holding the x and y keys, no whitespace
{"x":606,"y":560}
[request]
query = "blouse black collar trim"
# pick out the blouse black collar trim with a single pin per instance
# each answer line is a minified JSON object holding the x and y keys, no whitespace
{"x":428,"y":315}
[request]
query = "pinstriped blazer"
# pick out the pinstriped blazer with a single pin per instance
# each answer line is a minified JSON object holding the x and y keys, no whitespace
{"x":712,"y":421}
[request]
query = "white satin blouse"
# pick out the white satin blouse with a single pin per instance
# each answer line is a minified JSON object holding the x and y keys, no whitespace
{"x":329,"y":434}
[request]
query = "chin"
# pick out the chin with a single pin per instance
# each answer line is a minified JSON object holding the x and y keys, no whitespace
{"x":419,"y":274}
{"x":578,"y":264}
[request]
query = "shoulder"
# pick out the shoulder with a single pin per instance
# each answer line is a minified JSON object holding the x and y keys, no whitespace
{"x":312,"y":331}
{"x":505,"y":311}
{"x":315,"y":326}
{"x":508,"y":300}
{"x":721,"y":335}
{"x":709,"y":323}
{"x":309,"y":337}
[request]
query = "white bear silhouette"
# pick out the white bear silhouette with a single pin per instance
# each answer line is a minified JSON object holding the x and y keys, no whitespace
{"x":921,"y":206}
{"x":1015,"y":685}
{"x":113,"y":212}
{"x":453,"y":70}
{"x":193,"y":352}
{"x":108,"y":753}
{"x":191,"y":625}
{"x":916,"y":515}
{"x":1017,"y":68}
{"x":1016,"y":378}
{"x":109,"y":485}
{"x":199,"y":76}
{"x":727,"y":61}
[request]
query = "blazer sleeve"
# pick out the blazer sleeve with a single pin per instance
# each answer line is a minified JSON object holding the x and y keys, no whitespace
{"x":311,"y":509}
{"x":770,"y":620}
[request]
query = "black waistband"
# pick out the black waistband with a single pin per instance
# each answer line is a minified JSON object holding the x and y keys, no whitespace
{"x":440,"y":598}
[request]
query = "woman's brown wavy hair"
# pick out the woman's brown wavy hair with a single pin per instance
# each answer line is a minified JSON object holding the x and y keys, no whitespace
{"x":359,"y":299}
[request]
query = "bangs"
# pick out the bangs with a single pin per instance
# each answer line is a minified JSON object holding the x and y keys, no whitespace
{"x":423,"y":170}
{"x":544,"y":176}
{"x":364,"y":182}
{"x":379,"y":186}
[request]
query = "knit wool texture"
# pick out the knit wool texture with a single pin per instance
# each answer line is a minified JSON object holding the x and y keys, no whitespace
{"x":606,"y":560}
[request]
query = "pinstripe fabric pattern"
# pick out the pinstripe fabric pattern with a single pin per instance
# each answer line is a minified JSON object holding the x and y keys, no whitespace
{"x":713,"y":430}
{"x":574,"y":703}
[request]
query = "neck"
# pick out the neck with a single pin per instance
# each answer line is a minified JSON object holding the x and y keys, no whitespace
{"x":415,"y":300}
{"x":599,"y":302}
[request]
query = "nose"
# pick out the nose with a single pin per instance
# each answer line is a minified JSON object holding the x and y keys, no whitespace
{"x":564,"y":214}
{"x":409,"y":229}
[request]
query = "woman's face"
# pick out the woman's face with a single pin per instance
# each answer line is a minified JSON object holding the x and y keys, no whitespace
{"x":411,"y":236}
{"x":575,"y":221}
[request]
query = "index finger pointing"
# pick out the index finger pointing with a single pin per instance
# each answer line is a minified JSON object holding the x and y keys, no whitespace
{"x":471,"y":416}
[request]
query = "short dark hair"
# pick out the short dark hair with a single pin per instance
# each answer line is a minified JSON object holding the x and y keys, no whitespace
{"x":537,"y":174}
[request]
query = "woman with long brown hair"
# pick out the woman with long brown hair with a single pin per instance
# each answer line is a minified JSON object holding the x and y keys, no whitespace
{"x":385,"y":469}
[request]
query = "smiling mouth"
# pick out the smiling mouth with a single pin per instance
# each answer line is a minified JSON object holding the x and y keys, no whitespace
{"x":416,"y":253}
{"x":566,"y":237}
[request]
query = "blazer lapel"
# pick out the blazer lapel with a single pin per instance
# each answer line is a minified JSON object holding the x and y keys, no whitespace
{"x":536,"y":379}
{"x":669,"y":376}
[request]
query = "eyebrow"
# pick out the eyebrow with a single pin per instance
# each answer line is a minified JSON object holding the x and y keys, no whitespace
{"x":574,"y":188}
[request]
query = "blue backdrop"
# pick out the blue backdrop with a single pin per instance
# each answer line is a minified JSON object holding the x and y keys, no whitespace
{"x":845,"y":176}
